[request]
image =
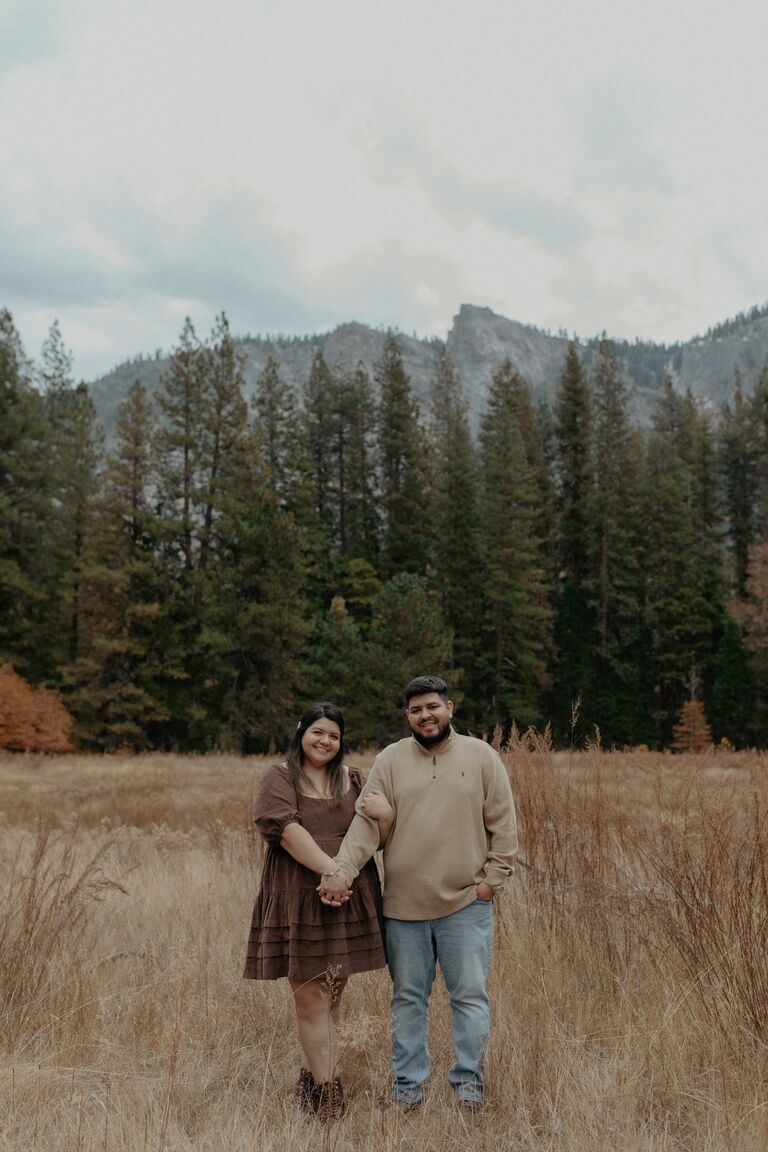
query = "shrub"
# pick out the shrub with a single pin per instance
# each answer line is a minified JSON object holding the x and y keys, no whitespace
{"x":31,"y":719}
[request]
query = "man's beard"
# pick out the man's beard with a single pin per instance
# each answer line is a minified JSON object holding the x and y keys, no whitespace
{"x":434,"y":738}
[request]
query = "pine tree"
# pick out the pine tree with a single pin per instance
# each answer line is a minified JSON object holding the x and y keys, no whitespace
{"x":517,"y":628}
{"x":683,"y":602}
{"x":225,"y":415}
{"x":545,"y":419}
{"x":455,"y":525}
{"x":402,"y":468}
{"x":83,"y":462}
{"x":325,"y":437}
{"x":700,"y":455}
{"x":738,"y":468}
{"x":75,"y":454}
{"x":337,"y":669}
{"x":408,"y":638}
{"x":340,"y":412}
{"x":24,"y":509}
{"x":359,"y":586}
{"x":278,"y":422}
{"x":692,"y":733}
{"x":532,"y":435}
{"x":700,"y":458}
{"x":203,"y":427}
{"x":328,"y":430}
{"x":575,"y":473}
{"x":614,"y":601}
{"x":56,"y":372}
{"x":751,"y":613}
{"x":178,"y":458}
{"x":575,"y":639}
{"x":116,"y":687}
{"x":359,"y":527}
{"x":732,"y":704}
{"x":758,"y":415}
{"x":180,"y":404}
{"x":261,"y":607}
{"x":282,"y":448}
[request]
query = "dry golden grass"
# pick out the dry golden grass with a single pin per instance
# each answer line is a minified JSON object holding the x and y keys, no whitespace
{"x":630,"y":979}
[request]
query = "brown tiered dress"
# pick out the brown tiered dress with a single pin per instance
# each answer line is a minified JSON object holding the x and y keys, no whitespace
{"x":292,"y":932}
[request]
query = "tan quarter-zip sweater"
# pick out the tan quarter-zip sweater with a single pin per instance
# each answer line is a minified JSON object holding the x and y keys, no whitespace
{"x":454,"y":826}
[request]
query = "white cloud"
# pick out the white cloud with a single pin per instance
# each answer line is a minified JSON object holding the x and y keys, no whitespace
{"x":594,"y":166}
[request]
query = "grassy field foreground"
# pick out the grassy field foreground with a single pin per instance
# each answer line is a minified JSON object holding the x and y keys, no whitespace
{"x":630,"y":979}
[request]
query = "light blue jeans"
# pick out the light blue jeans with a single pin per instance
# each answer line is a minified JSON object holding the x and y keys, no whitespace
{"x":461,"y":943}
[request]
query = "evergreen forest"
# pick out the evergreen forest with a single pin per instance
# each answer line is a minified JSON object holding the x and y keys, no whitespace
{"x":220,"y":563}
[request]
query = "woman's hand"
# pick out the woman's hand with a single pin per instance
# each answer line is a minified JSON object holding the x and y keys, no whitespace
{"x":375,"y":805}
{"x":333,"y":890}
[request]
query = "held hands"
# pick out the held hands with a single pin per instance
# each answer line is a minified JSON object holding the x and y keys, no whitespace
{"x":333,"y":890}
{"x":375,"y":805}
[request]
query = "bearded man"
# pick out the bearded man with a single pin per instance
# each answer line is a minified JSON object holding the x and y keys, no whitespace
{"x":451,"y":847}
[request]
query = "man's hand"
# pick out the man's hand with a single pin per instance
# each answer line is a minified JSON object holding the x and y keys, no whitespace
{"x":334,"y":890}
{"x":483,"y":891}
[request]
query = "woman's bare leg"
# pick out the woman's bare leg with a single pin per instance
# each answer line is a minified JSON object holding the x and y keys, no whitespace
{"x":317,"y":1012}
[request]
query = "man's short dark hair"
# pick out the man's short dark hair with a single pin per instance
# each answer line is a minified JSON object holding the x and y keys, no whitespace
{"x":424,"y":684}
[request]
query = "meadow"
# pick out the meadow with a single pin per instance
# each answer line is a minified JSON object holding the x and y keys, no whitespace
{"x":629,"y":985}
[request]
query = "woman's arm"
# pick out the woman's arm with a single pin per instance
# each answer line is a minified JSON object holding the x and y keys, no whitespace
{"x":299,"y":844}
{"x":376,"y":806}
{"x":385,"y":827}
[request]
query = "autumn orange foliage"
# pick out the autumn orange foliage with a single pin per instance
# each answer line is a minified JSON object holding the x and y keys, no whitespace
{"x":31,"y":719}
{"x":692,"y":733}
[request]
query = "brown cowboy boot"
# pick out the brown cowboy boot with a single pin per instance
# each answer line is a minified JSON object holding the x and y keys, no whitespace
{"x":328,"y":1101}
{"x":303,"y":1093}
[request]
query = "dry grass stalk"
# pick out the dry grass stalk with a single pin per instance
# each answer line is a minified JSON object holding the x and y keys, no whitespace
{"x":628,"y":988}
{"x":46,"y":907}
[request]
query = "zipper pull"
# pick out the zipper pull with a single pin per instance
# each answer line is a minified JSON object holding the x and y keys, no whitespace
{"x":434,"y":766}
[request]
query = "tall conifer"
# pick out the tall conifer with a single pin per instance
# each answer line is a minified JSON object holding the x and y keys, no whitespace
{"x":278,"y":422}
{"x":116,"y":686}
{"x":224,"y":419}
{"x":575,"y":640}
{"x":407,"y":638}
{"x":682,"y":602}
{"x":751,"y":613}
{"x":738,"y":468}
{"x":758,"y":413}
{"x":403,"y":472}
{"x":337,"y":667}
{"x":324,"y":438}
{"x":615,"y":602}
{"x":732,"y":704}
{"x":75,"y":455}
{"x":203,"y":426}
{"x":261,"y":606}
{"x":356,"y":493}
{"x":25,"y":484}
{"x":517,"y":629}
{"x":455,"y":524}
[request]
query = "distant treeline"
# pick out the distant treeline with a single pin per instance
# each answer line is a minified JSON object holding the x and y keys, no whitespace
{"x":220,"y":566}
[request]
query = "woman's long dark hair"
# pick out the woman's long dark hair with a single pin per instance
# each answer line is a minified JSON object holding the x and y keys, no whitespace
{"x":334,"y":768}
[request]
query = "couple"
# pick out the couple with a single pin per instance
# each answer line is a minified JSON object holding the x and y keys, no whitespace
{"x":440,"y":806}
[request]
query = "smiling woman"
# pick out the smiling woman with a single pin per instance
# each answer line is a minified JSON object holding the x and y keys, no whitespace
{"x":303,"y":810}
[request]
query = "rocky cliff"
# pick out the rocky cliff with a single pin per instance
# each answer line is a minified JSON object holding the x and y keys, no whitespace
{"x":479,"y":341}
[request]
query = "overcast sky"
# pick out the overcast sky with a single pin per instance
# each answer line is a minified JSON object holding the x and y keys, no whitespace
{"x":300,"y":163}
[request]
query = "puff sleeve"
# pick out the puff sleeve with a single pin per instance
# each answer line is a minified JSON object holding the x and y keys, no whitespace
{"x":276,"y":804}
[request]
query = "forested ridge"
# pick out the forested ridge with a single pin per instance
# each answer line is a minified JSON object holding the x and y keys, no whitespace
{"x":221,"y":563}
